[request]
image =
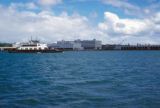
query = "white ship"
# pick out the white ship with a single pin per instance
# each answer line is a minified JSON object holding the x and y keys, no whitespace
{"x":33,"y":46}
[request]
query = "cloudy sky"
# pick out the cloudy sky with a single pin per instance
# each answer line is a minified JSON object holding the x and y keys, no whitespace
{"x":112,"y":21}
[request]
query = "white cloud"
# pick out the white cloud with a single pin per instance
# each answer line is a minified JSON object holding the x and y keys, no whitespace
{"x":29,"y":5}
{"x":20,"y":25}
{"x":49,"y":2}
{"x":123,"y":26}
{"x":123,"y":4}
{"x":133,"y":9}
{"x":116,"y":27}
{"x":15,"y":26}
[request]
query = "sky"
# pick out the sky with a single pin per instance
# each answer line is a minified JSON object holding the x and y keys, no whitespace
{"x":112,"y":21}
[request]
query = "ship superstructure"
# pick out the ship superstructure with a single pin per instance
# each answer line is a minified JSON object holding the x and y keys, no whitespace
{"x":31,"y":45}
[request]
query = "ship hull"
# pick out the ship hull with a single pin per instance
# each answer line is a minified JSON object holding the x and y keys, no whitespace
{"x":35,"y":51}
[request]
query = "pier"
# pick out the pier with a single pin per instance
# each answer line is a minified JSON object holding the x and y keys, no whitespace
{"x":141,"y":47}
{"x":130,"y":47}
{"x":6,"y":48}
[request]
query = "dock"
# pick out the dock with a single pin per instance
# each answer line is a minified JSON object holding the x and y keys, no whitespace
{"x":6,"y":48}
{"x":131,"y":47}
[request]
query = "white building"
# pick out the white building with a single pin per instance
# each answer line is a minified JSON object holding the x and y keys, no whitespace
{"x":67,"y":45}
{"x":90,"y":44}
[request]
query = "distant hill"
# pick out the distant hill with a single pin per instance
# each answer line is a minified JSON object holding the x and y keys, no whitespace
{"x":5,"y":45}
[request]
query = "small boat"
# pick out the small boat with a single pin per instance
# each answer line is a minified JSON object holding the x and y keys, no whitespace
{"x":32,"y":46}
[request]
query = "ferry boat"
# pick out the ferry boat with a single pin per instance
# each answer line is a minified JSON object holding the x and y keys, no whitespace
{"x":33,"y":46}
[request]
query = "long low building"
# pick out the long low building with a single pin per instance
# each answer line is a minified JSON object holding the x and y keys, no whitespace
{"x":131,"y":47}
{"x":90,"y":44}
{"x":78,"y":45}
{"x":67,"y":45}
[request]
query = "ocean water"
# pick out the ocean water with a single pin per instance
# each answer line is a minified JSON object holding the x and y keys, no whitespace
{"x":84,"y":79}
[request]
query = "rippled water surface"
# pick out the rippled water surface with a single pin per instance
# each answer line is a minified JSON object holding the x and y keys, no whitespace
{"x":104,"y":79}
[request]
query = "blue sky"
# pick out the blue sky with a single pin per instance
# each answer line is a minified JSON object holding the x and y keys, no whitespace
{"x":86,"y":7}
{"x":106,"y":20}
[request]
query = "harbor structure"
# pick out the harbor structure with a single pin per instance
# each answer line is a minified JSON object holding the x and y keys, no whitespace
{"x":7,"y":48}
{"x":36,"y":46}
{"x":67,"y":45}
{"x":90,"y":44}
{"x":78,"y":45}
{"x":140,"y":47}
{"x":130,"y":47}
{"x":112,"y":47}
